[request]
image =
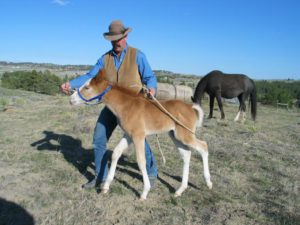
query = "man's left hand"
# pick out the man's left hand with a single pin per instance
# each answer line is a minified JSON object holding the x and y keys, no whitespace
{"x":151,"y":91}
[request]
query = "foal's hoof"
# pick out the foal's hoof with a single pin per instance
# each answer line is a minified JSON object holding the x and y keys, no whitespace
{"x":142,"y":199}
{"x":176,"y":195}
{"x":105,"y":191}
{"x":209,"y":184}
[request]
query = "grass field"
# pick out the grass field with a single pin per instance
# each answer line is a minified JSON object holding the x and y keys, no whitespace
{"x":46,"y":155}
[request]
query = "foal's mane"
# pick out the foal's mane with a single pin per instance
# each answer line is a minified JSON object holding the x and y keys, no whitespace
{"x":127,"y":91}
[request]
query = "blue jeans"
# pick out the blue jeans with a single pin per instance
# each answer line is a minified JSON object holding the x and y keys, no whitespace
{"x":105,"y":125}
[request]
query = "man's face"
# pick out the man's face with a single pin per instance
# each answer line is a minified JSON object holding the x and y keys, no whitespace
{"x":119,"y":45}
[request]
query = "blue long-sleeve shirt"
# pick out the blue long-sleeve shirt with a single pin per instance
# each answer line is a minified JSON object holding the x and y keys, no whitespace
{"x":147,"y":76}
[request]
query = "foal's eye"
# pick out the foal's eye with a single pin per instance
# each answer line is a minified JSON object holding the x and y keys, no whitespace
{"x":86,"y":88}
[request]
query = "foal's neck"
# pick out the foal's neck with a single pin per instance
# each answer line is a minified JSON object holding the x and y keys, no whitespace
{"x":119,"y":99}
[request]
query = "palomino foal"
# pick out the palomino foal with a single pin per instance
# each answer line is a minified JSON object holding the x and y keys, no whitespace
{"x":140,"y":117}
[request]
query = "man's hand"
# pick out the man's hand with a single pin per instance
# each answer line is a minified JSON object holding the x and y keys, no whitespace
{"x":151,"y":93}
{"x":65,"y":88}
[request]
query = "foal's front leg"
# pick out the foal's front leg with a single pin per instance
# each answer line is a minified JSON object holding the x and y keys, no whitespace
{"x":139,"y":143}
{"x":119,"y":149}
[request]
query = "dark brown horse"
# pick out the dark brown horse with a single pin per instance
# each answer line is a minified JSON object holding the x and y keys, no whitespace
{"x":218,"y":84}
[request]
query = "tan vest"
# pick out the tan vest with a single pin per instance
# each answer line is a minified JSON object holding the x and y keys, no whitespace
{"x":128,"y":73}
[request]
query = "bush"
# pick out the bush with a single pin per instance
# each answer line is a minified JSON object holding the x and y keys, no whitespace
{"x":269,"y":92}
{"x":40,"y":82}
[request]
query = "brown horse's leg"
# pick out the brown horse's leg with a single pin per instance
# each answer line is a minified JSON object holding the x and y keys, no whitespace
{"x":237,"y":115}
{"x":242,"y":108}
{"x":211,"y":106}
{"x":219,"y":100}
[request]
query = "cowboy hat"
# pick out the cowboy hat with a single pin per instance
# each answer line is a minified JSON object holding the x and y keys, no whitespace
{"x":116,"y":31}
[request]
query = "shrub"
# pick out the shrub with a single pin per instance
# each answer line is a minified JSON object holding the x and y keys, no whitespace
{"x":40,"y":82}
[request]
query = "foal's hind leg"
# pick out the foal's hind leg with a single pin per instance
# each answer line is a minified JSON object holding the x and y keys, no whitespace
{"x":202,"y":148}
{"x":119,"y":149}
{"x":186,"y":156}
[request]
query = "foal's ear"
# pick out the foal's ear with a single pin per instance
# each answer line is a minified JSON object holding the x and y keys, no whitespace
{"x":101,"y":74}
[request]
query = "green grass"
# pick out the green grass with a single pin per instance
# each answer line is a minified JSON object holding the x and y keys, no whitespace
{"x":46,"y":155}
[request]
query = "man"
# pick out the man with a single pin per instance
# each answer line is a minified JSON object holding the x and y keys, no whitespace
{"x":128,"y":67}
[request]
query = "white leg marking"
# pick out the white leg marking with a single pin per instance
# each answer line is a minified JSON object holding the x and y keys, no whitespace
{"x":146,"y":181}
{"x":186,"y":156}
{"x":204,"y":155}
{"x":119,"y":149}
{"x":243,"y":117}
{"x":206,"y":169}
{"x":237,"y":116}
{"x":140,"y":154}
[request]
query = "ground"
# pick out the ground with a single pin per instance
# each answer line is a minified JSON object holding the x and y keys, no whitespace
{"x":46,"y":155}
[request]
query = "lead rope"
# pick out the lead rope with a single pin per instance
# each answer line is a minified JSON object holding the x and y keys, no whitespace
{"x":161,"y":152}
{"x":166,"y":111}
{"x":150,"y":96}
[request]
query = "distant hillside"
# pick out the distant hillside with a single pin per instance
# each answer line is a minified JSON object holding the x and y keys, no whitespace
{"x":59,"y":70}
{"x":44,"y":65}
{"x":75,"y":70}
{"x":64,"y":71}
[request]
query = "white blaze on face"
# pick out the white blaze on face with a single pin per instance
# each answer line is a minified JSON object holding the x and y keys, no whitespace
{"x":75,"y":99}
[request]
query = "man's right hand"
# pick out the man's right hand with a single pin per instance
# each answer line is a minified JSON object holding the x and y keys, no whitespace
{"x":65,"y":88}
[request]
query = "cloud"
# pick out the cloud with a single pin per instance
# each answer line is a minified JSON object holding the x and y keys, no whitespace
{"x":61,"y":2}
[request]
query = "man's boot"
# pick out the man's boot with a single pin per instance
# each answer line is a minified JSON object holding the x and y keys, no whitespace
{"x":91,"y":184}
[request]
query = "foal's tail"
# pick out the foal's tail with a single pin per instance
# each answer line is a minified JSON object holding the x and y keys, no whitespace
{"x":200,"y":113}
{"x":253,"y":102}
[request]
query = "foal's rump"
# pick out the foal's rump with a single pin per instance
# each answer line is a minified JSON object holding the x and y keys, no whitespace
{"x":191,"y":115}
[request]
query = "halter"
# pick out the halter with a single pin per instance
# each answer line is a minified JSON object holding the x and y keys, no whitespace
{"x":98,"y":97}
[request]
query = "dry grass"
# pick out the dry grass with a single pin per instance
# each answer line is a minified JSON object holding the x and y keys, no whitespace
{"x":46,"y":154}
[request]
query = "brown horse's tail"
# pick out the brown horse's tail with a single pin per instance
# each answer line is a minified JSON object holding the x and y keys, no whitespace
{"x":253,"y":102}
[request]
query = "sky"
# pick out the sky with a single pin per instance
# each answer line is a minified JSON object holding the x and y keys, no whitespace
{"x":259,"y":38}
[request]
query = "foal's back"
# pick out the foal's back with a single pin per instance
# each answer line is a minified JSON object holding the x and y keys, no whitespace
{"x":156,"y":116}
{"x":152,"y":116}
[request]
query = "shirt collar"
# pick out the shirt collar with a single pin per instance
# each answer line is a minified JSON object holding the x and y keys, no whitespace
{"x":122,"y":53}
